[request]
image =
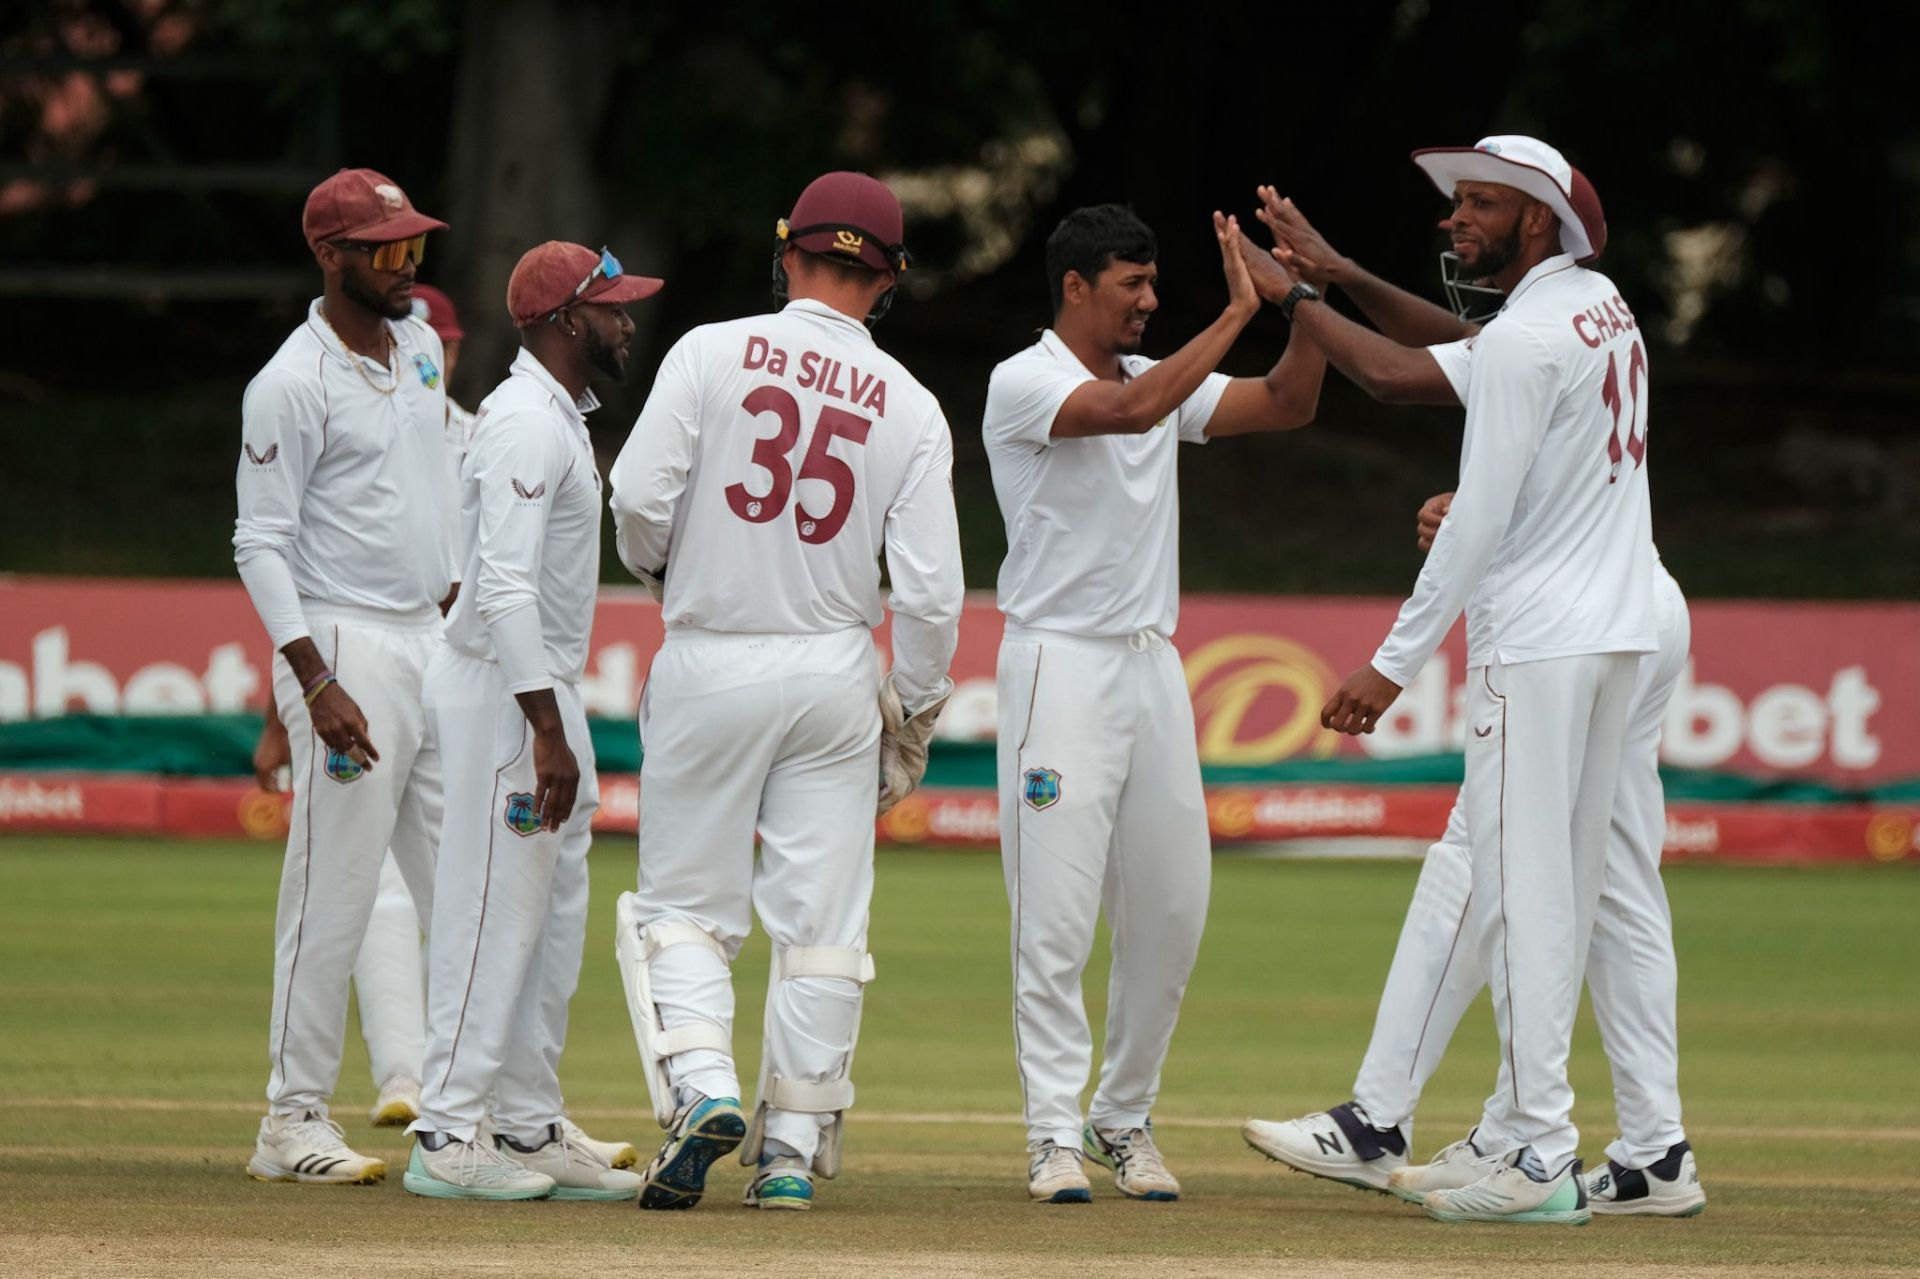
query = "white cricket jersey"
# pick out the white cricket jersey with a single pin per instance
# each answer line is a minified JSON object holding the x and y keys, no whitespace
{"x":530,"y":522}
{"x":346,"y":494}
{"x":1549,"y":541}
{"x":1093,"y":522}
{"x":776,"y":457}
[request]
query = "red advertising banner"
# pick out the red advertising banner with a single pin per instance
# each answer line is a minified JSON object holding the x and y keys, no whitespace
{"x":1823,"y":692}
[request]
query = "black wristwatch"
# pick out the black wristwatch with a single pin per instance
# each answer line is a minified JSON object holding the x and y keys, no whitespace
{"x":1301,"y":292}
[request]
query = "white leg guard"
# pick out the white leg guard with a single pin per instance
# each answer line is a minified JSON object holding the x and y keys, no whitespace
{"x":830,"y":1096}
{"x":635,"y":949}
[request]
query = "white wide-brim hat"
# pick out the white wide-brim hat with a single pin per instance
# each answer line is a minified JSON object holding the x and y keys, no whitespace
{"x":1529,"y":165}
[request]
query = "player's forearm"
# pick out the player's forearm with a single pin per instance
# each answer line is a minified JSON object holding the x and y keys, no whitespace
{"x":1383,"y":368}
{"x":1403,"y":317}
{"x":1145,"y":401}
{"x":542,"y":710}
{"x":1294,"y":383}
{"x":922,"y":656}
{"x":269,"y":584}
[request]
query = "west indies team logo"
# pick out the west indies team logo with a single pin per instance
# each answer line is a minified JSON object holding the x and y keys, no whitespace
{"x":1041,"y":788}
{"x":341,"y":767}
{"x":520,"y":817}
{"x":429,"y":376}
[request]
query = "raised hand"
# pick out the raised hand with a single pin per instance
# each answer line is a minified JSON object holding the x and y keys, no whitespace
{"x":1298,"y":245}
{"x":1241,"y":294}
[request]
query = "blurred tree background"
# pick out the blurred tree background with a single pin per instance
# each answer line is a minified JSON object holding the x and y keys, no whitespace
{"x":1759,"y":160}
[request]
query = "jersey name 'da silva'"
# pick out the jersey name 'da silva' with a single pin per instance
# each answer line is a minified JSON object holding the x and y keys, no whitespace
{"x":822,"y":373}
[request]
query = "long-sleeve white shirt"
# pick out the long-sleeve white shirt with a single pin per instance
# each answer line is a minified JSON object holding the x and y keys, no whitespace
{"x":530,"y":521}
{"x":776,"y":458}
{"x":1093,"y":522}
{"x":346,"y":494}
{"x":1549,"y":542}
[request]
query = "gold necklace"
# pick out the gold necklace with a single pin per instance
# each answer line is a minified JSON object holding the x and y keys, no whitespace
{"x":354,"y":359}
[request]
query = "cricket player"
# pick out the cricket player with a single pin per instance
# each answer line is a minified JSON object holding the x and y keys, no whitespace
{"x":1099,"y":776}
{"x":510,"y":907}
{"x":1549,"y":535}
{"x":1436,"y":971}
{"x":776,"y":459}
{"x":344,"y":542}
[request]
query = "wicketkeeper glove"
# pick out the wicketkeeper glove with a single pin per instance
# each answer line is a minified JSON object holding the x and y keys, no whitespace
{"x":903,"y":744}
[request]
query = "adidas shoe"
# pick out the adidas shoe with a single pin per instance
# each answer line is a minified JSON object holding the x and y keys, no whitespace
{"x":1519,"y":1190}
{"x":1460,"y":1164}
{"x":705,"y":1129}
{"x":1668,"y":1188}
{"x":616,"y":1154}
{"x":578,"y":1172}
{"x":455,"y":1169}
{"x":783,"y":1181}
{"x":398,"y":1103}
{"x":310,"y":1148}
{"x":1338,"y":1144}
{"x":1138,"y":1170}
{"x":1054,"y":1175}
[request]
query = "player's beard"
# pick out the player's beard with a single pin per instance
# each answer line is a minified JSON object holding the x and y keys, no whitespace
{"x":603,"y":356}
{"x":1495,"y":256}
{"x":359,"y":292}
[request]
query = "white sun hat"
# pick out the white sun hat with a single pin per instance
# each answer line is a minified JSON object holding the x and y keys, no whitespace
{"x":1529,"y":165}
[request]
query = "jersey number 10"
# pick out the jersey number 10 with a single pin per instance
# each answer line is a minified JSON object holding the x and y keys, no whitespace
{"x":1636,"y":417}
{"x":771,"y":453}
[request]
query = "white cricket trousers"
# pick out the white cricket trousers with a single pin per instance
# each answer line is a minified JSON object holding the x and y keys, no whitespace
{"x":509,"y":911}
{"x":1631,"y":974}
{"x":1543,"y":748}
{"x":1100,"y":809}
{"x":779,"y":733}
{"x":342,"y":824}
{"x":389,"y":980}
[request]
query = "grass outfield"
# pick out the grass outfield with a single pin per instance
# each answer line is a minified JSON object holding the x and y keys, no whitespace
{"x":133,"y":1007}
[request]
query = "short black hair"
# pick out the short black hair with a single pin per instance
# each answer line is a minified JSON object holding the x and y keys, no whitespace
{"x":1088,"y":239}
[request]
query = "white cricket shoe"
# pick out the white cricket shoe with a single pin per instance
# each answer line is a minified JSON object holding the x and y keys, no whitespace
{"x":1138,"y":1170}
{"x":1054,"y":1175}
{"x":1518,"y":1190}
{"x":310,"y":1148}
{"x":1668,"y":1188}
{"x":781,"y":1182}
{"x":1460,"y":1164}
{"x":1339,"y":1144}
{"x":578,"y":1171}
{"x":398,"y":1103}
{"x":617,"y":1154}
{"x":470,"y":1170}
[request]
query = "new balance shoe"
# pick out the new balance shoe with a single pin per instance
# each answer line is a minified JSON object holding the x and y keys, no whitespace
{"x":781,"y":1182}
{"x":578,"y":1172}
{"x":310,"y":1148}
{"x":1460,"y":1164}
{"x":617,"y":1154}
{"x":398,"y":1103}
{"x":1340,"y":1144}
{"x":1519,"y":1190}
{"x":1668,"y":1188}
{"x":1138,"y":1170}
{"x":443,"y":1167}
{"x":1054,"y":1175}
{"x":705,"y":1129}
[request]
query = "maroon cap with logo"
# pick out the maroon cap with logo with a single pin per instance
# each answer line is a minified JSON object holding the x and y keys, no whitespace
{"x":849,"y":216}
{"x":360,"y":204}
{"x":436,"y":308}
{"x":556,"y":274}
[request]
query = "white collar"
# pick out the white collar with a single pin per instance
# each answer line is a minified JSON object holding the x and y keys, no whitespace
{"x":1541,"y":269}
{"x":527,"y":364}
{"x":814,"y":306}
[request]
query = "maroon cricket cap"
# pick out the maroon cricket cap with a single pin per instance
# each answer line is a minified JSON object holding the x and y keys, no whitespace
{"x":360,"y":204}
{"x":436,"y":308}
{"x":849,"y":216}
{"x":549,"y":276}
